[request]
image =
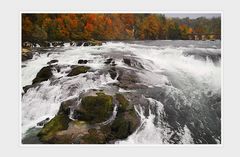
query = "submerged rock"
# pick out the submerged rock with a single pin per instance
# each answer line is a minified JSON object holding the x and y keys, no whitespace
{"x":78,"y":70}
{"x":43,"y":75}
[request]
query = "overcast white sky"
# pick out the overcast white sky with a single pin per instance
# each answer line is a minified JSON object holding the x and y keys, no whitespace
{"x":192,"y":15}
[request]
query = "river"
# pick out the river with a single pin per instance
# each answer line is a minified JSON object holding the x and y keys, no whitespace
{"x":182,"y":98}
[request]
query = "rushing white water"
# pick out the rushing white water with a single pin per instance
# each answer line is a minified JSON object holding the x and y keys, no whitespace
{"x":163,"y":62}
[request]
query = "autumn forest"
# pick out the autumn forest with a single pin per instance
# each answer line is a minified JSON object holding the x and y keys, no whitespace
{"x":66,"y":27}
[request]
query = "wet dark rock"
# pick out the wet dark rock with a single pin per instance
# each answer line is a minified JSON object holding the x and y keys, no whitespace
{"x":72,"y":43}
{"x":127,"y":61}
{"x":79,"y":43}
{"x":43,"y":75}
{"x":113,"y":63}
{"x":57,"y":43}
{"x":52,"y":61}
{"x":86,"y":44}
{"x":27,"y":44}
{"x":82,"y":61}
{"x":78,"y":70}
{"x":112,"y":72}
{"x":108,"y":61}
{"x":133,"y":63}
{"x":66,"y":106}
{"x":27,"y":87}
{"x":43,"y":122}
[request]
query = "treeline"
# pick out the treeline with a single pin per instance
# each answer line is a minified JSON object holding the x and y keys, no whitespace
{"x":65,"y":27}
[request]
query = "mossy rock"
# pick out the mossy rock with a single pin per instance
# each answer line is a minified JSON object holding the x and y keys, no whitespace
{"x":126,"y":121}
{"x":58,"y":123}
{"x":123,"y":103}
{"x":43,"y":75}
{"x":78,"y":70}
{"x":95,"y":109}
{"x":125,"y":124}
{"x":94,"y":137}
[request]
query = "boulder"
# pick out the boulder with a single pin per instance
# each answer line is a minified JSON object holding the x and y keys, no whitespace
{"x":26,"y":54}
{"x":52,"y":61}
{"x":82,"y":61}
{"x":27,"y":44}
{"x":66,"y":106}
{"x":49,"y":131}
{"x":112,"y":72}
{"x":108,"y":61}
{"x":43,"y":75}
{"x":126,"y":121}
{"x":95,"y":109}
{"x":73,"y":43}
{"x":78,"y":70}
{"x":79,"y":43}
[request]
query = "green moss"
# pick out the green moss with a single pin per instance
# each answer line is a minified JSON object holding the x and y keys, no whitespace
{"x":120,"y":127}
{"x":123,"y":103}
{"x":58,"y":123}
{"x":96,"y":109}
{"x":78,"y":70}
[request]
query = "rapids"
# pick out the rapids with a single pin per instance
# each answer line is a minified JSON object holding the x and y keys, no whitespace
{"x":183,"y":80}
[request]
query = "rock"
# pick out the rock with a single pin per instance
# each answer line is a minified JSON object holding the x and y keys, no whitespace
{"x":113,"y":73}
{"x":127,"y":61}
{"x":73,"y":43}
{"x":43,"y":122}
{"x":128,"y":79}
{"x":81,"y":61}
{"x":79,"y":43}
{"x":66,"y":106}
{"x":26,"y":54}
{"x":27,"y":87}
{"x":27,"y":44}
{"x":48,"y":132}
{"x":126,"y":121}
{"x":95,"y":43}
{"x":108,"y":61}
{"x":78,"y":70}
{"x":94,"y":136}
{"x":86,"y":44}
{"x":113,"y":63}
{"x":58,"y":43}
{"x":52,"y":61}
{"x":95,"y":109}
{"x":133,"y":63}
{"x":43,"y":75}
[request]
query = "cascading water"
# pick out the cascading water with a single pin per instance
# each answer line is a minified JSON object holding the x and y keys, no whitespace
{"x":183,"y":80}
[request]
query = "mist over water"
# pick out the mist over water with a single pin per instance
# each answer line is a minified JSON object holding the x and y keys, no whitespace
{"x":183,"y":77}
